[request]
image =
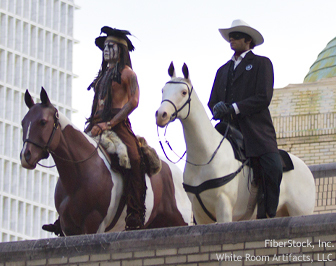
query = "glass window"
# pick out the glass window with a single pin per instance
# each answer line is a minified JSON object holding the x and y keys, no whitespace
{"x":56,"y":17}
{"x":3,"y":35}
{"x":28,"y":217}
{"x":18,"y":7}
{"x":18,"y":35}
{"x":13,"y":215}
{"x":41,"y":12}
{"x":9,"y":104}
{"x":17,"y":72}
{"x":33,"y":10}
{"x":2,"y":106}
{"x":33,"y":35}
{"x":8,"y":141}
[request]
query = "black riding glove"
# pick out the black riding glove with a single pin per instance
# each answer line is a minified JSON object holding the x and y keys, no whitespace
{"x":222,"y":110}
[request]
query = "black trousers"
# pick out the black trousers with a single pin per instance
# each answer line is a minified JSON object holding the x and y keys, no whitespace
{"x":267,"y":171}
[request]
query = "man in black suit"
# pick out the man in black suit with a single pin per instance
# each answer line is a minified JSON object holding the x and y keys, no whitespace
{"x":240,"y":96}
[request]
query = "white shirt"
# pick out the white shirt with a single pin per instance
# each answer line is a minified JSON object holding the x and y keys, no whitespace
{"x":239,"y":59}
{"x":236,"y":63}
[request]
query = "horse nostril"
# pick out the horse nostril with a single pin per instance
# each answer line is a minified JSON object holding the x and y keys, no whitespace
{"x":27,"y":155}
{"x":164,"y":115}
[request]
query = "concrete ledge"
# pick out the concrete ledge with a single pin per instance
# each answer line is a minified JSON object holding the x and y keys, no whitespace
{"x":323,"y":170}
{"x":176,"y":237}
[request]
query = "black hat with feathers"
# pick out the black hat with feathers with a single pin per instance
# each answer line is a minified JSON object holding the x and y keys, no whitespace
{"x":117,"y":34}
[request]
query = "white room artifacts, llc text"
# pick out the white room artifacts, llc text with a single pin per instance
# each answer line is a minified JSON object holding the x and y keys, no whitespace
{"x":286,"y":257}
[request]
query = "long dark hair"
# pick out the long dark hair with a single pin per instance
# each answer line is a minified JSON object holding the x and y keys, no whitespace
{"x":114,"y":75}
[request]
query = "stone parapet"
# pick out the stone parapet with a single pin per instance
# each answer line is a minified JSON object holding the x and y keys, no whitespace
{"x":309,"y":240}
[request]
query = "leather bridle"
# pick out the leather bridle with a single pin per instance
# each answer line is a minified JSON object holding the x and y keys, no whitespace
{"x":46,"y":148}
{"x":174,"y":115}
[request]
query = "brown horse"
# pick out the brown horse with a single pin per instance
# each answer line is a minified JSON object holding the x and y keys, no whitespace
{"x":88,"y":194}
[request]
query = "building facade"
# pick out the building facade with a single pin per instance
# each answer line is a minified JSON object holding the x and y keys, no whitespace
{"x":304,"y":117}
{"x":36,"y":46}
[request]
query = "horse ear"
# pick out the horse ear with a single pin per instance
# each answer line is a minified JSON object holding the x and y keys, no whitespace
{"x":29,"y":100}
{"x":44,"y":97}
{"x":171,"y":70}
{"x":185,"y":71}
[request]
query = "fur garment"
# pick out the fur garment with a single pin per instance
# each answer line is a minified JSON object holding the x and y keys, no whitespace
{"x":152,"y":160}
{"x":114,"y":145}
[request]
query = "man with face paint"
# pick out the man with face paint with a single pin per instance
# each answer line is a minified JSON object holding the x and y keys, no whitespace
{"x":116,"y":96}
{"x":240,"y":96}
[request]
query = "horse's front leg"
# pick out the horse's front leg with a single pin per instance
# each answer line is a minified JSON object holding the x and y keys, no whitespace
{"x":92,"y":222}
{"x":224,"y":209}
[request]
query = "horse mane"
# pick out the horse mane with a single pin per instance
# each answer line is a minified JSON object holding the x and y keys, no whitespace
{"x":64,"y":121}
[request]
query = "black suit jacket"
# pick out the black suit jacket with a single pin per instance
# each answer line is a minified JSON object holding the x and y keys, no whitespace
{"x":252,"y":92}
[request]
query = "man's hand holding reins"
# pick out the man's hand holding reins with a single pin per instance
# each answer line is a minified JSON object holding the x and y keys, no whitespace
{"x":99,"y":128}
{"x":222,"y":110}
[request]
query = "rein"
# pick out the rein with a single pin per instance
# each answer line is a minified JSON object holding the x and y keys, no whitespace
{"x":181,"y":157}
{"x":46,"y":148}
{"x":173,"y":117}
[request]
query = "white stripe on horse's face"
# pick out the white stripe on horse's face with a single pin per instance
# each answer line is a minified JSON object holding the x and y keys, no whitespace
{"x":23,"y":159}
{"x":27,"y":137}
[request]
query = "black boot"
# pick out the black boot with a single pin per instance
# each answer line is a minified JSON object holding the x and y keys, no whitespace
{"x":54,"y":228}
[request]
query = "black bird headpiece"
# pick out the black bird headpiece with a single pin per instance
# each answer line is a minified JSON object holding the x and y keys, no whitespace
{"x":118,"y":36}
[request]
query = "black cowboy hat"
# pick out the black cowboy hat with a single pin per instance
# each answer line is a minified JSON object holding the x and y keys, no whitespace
{"x":119,"y":36}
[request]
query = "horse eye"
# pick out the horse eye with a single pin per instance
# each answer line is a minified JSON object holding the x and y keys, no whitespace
{"x":43,"y":122}
{"x":184,"y":93}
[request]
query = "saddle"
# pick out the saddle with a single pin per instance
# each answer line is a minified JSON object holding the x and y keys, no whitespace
{"x":235,"y":137}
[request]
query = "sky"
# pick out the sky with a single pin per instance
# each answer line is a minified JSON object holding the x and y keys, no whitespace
{"x":186,"y":31}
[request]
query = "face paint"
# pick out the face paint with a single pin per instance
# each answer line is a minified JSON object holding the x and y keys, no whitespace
{"x":111,"y":51}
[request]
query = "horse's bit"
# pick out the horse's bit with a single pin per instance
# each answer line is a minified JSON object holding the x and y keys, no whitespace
{"x":174,"y":115}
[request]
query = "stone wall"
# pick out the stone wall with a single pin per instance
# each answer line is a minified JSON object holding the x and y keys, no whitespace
{"x":304,"y":116}
{"x":237,"y":244}
{"x":306,"y":240}
{"x":325,"y":183}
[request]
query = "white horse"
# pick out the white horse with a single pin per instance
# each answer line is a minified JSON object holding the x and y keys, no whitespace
{"x":227,"y":202}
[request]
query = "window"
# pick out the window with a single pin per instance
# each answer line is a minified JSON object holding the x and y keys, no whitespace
{"x":2,"y":65}
{"x":11,"y":31}
{"x":41,"y":12}
{"x":33,"y":41}
{"x":17,"y":72}
{"x":56,"y":17}
{"x":9,"y":104}
{"x":40,"y":44}
{"x":3,"y":35}
{"x":8,"y":137}
{"x":18,"y":7}
{"x":18,"y":35}
{"x":25,"y":45}
{"x":55,"y":50}
{"x":33,"y":10}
